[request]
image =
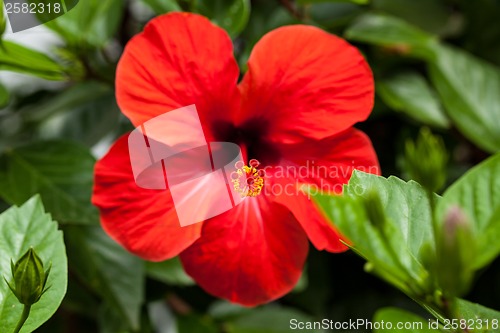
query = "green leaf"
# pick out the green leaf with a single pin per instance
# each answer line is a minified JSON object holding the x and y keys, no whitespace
{"x":161,"y":317}
{"x":4,"y":96}
{"x":265,"y":16}
{"x":231,"y":15}
{"x":303,"y":282}
{"x":225,"y":310}
{"x":406,"y":204}
{"x":393,"y":248}
{"x":477,"y":314}
{"x":334,"y":15}
{"x":469,"y":89}
{"x":430,"y":15}
{"x":61,"y":172}
{"x":478,"y":194}
{"x":17,"y":58}
{"x":196,"y":324}
{"x":86,"y":112}
{"x":389,"y":31}
{"x":392,"y":317}
{"x":482,"y":33}
{"x":270,"y":319}
{"x":3,"y":21}
{"x":163,"y":6}
{"x":410,"y":93}
{"x":358,"y":2}
{"x":169,"y":272}
{"x":164,"y":321}
{"x":91,"y":24}
{"x":110,"y":320}
{"x":112,"y":272}
{"x":79,"y":300}
{"x":21,"y":228}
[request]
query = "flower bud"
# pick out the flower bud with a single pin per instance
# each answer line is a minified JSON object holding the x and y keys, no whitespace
{"x":426,"y":159}
{"x":29,"y":278}
{"x":456,"y":253}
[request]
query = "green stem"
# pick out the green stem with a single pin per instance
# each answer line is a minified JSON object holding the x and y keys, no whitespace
{"x":432,"y":202}
{"x":24,"y":317}
{"x":63,"y":3}
{"x":436,"y":312}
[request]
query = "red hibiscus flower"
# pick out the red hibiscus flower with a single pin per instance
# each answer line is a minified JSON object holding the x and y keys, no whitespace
{"x":293,"y":110}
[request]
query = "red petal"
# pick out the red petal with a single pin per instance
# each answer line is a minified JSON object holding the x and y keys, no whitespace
{"x":303,"y":81}
{"x":326,"y":165}
{"x":321,"y":233}
{"x":250,"y":255}
{"x":143,"y":221}
{"x":180,"y":59}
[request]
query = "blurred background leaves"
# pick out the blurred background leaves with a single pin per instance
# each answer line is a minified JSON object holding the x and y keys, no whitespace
{"x":435,"y":64}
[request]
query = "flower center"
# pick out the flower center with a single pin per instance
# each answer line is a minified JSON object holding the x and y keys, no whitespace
{"x":247,"y":180}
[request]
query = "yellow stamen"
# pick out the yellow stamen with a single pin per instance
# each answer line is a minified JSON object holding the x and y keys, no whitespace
{"x":247,"y":180}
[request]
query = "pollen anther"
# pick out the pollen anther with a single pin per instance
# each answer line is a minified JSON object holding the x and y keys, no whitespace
{"x":247,"y":180}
